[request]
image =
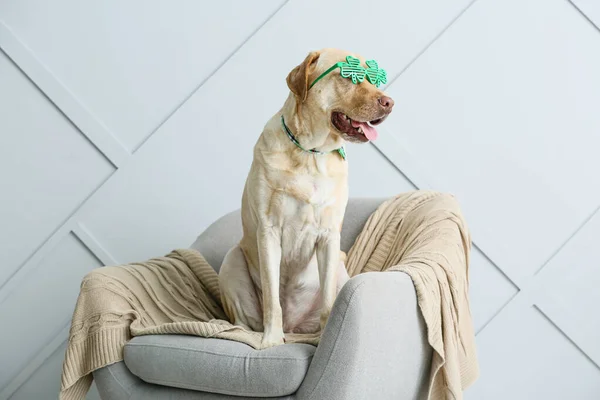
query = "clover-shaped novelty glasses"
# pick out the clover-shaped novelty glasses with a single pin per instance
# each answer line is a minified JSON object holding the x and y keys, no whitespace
{"x":353,"y":70}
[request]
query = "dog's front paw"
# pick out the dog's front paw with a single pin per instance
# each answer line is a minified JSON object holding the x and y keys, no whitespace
{"x":272,"y":338}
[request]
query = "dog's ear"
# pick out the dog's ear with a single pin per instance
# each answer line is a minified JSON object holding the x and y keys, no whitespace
{"x":298,"y":79}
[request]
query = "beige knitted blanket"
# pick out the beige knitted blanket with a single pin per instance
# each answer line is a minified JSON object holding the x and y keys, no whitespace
{"x":420,"y":233}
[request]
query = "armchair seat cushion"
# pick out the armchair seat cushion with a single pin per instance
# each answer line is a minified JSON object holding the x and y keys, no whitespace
{"x":218,"y":366}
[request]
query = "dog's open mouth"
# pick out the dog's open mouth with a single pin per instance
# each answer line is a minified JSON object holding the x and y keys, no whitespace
{"x":357,"y":130}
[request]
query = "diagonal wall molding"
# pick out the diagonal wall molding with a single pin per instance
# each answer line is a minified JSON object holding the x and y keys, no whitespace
{"x":589,"y":9}
{"x":35,"y":363}
{"x":105,"y":142}
{"x":390,"y":147}
{"x":178,"y":106}
{"x":92,"y":244}
{"x":62,"y":336}
{"x":33,"y":261}
{"x":62,"y":98}
{"x":407,"y":165}
{"x":8,"y":41}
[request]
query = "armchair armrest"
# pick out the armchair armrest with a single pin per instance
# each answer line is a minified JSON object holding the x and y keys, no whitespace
{"x":374,"y":345}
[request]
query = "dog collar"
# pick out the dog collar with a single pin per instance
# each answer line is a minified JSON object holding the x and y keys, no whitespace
{"x":341,"y":150}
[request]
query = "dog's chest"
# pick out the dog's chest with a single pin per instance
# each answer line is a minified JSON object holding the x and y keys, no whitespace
{"x":318,"y":185}
{"x":316,"y":191}
{"x":308,"y":198}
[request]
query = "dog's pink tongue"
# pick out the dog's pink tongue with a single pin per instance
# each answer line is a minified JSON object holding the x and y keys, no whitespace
{"x":368,"y":130}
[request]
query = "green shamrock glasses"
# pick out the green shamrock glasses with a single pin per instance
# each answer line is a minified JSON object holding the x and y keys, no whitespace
{"x":353,"y":70}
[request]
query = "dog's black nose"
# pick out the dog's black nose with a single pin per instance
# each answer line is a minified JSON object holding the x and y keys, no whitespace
{"x":386,"y":102}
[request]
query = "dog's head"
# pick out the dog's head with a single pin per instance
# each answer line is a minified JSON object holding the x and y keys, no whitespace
{"x":345,"y":102}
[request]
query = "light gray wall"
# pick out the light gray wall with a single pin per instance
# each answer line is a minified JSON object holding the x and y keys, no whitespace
{"x":127,"y":127}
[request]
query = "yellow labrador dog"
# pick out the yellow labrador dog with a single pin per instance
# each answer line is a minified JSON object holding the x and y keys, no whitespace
{"x":286,"y":271}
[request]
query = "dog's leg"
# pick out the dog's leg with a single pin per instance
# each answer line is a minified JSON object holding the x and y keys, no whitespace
{"x":269,"y":254}
{"x":328,"y":260}
{"x":238,"y":293}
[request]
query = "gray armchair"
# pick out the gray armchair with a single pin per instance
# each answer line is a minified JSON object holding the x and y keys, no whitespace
{"x":359,"y":356}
